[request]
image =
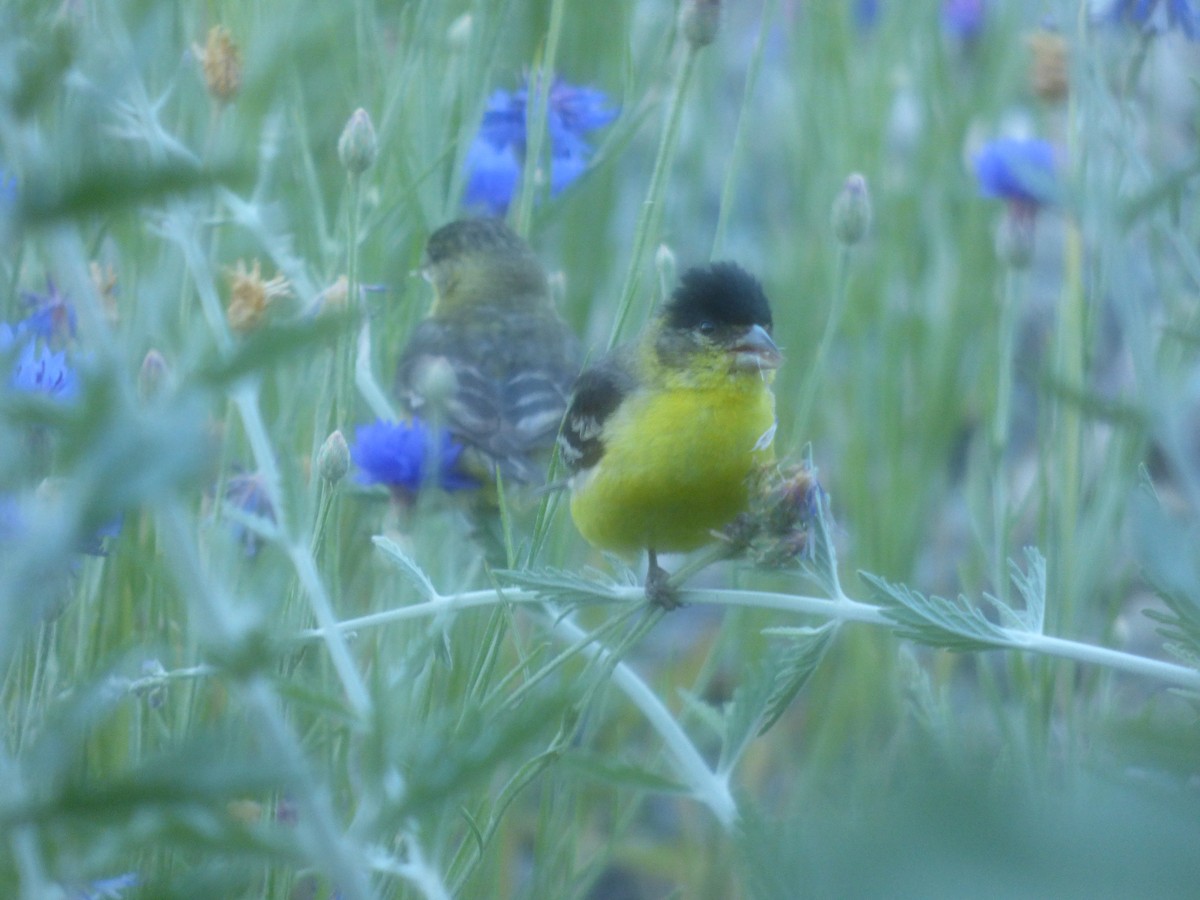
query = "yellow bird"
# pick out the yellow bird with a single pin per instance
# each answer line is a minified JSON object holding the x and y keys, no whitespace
{"x":662,"y":436}
{"x":493,"y":361}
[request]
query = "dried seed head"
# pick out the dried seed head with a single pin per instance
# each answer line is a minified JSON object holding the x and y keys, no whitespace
{"x":104,"y":280}
{"x":249,"y":296}
{"x":1049,"y":66}
{"x":222,"y":62}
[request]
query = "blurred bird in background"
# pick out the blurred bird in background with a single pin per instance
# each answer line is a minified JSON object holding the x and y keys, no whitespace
{"x":493,"y":362}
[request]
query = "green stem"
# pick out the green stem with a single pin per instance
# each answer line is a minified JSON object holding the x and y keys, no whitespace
{"x":213,"y":614}
{"x":536,"y":126}
{"x":31,"y":868}
{"x":1068,"y":426}
{"x":364,"y":376}
{"x":648,"y":219}
{"x":812,"y":382}
{"x":998,"y":439}
{"x":245,"y":399}
{"x":752,"y":70}
{"x":714,"y":553}
{"x":708,"y":787}
{"x":345,"y":349}
{"x":845,"y":610}
{"x":324,"y":504}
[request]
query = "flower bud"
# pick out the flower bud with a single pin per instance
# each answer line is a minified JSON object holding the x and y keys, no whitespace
{"x":358,"y":147}
{"x":437,"y":382}
{"x":336,"y":297}
{"x":852,"y":210}
{"x":699,"y":21}
{"x":458,"y":35}
{"x":333,"y":459}
{"x":154,"y":376}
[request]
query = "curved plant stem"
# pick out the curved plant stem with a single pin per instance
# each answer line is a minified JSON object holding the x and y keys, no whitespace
{"x":845,"y":610}
{"x":709,"y":787}
{"x":812,"y":382}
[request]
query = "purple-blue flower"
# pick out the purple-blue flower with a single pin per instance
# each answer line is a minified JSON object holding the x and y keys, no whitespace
{"x":12,"y":520}
{"x":496,"y":157}
{"x":398,"y":455}
{"x":1157,"y":15}
{"x":106,"y":888}
{"x":964,"y":19}
{"x":247,"y":492}
{"x":93,"y":545}
{"x":38,"y":369}
{"x":51,"y":316}
{"x":1019,"y":170}
{"x":866,"y":13}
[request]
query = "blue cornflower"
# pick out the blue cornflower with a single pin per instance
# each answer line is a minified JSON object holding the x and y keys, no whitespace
{"x":964,"y":19}
{"x":93,"y":545}
{"x":1157,"y":15}
{"x":397,"y":454}
{"x":12,"y":520}
{"x":247,"y":492}
{"x":496,"y":157}
{"x":866,"y":13}
{"x":51,"y":316}
{"x":1019,"y":170}
{"x":38,"y":369}
{"x":106,"y":888}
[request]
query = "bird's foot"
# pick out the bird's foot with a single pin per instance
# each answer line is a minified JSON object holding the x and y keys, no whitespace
{"x":659,"y":589}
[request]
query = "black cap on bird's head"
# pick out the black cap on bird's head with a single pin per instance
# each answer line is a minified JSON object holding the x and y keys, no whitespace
{"x":718,"y":308}
{"x":723,"y":294}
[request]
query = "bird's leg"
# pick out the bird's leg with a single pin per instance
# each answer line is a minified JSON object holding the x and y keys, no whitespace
{"x":659,"y":589}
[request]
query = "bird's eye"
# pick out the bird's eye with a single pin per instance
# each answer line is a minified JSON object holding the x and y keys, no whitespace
{"x":706,"y":327}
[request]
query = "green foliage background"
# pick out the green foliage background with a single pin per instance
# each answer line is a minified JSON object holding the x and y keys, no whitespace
{"x":162,"y":712}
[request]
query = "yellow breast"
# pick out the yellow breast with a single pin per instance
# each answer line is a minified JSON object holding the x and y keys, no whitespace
{"x":675,"y":467}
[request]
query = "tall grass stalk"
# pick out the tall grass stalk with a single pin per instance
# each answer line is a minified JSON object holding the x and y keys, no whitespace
{"x":646,"y":229}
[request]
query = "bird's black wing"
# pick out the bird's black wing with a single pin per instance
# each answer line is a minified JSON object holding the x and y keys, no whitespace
{"x":512,"y":372}
{"x":597,"y":394}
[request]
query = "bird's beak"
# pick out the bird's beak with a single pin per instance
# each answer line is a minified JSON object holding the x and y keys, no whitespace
{"x":755,"y":351}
